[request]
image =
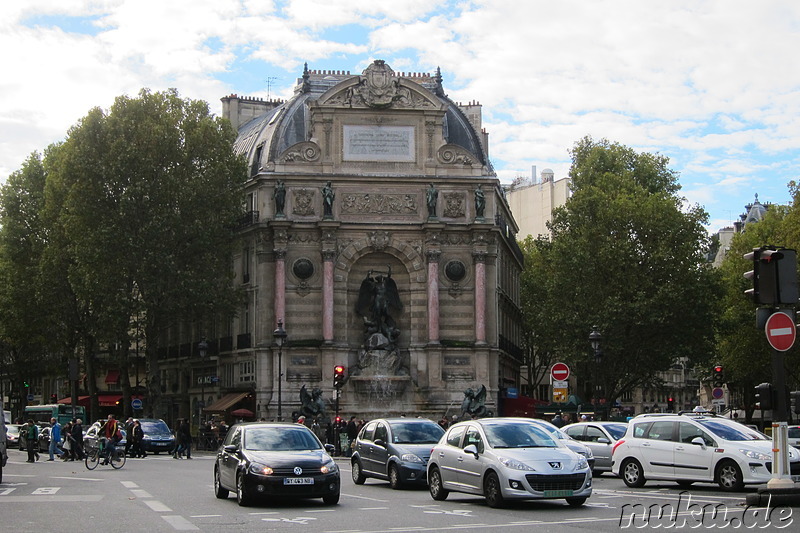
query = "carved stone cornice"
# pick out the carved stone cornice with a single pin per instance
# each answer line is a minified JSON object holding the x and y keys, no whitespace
{"x":280,"y":254}
{"x":379,"y":204}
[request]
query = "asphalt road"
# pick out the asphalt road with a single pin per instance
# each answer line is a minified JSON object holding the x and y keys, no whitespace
{"x":163,"y":494}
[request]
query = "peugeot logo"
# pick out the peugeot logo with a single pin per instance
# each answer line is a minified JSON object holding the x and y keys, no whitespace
{"x":555,"y":465}
{"x":298,"y":471}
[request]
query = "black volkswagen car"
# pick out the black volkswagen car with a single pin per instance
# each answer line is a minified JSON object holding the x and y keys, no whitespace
{"x":275,"y":460}
{"x":395,"y":449}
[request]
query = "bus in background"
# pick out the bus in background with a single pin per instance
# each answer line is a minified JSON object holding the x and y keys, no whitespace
{"x":41,"y":414}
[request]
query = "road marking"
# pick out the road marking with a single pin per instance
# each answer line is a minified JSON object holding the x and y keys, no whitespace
{"x":205,"y":516}
{"x":179,"y":523}
{"x":157,"y":506}
{"x":7,"y":491}
{"x":141,"y":493}
{"x":46,"y":490}
{"x":372,"y":508}
{"x":321,"y":511}
{"x":50,"y":499}
{"x":129,"y":485}
{"x":299,"y":520}
{"x":365,"y":498}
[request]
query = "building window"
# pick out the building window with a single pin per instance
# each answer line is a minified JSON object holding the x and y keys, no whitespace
{"x":246,"y":265}
{"x":246,"y":371}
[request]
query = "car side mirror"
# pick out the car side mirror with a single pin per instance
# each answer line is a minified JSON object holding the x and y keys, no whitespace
{"x":230,"y":448}
{"x":330,"y":448}
{"x":472,"y":449}
{"x":380,"y":442}
{"x":698,"y":441}
{"x":603,"y":440}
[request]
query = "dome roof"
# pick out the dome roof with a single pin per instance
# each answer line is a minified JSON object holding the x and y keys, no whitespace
{"x":291,"y":131}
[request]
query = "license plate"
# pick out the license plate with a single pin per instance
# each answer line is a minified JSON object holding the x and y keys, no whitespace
{"x":558,"y":493}
{"x":162,"y":443}
{"x":298,"y":481}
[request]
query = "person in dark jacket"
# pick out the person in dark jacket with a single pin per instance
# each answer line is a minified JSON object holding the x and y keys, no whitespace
{"x":185,"y":432}
{"x":32,"y":441}
{"x":77,"y":440}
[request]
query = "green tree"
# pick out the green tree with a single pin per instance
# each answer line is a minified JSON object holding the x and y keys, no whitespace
{"x":626,"y":256}
{"x":148,"y":194}
{"x":742,"y":346}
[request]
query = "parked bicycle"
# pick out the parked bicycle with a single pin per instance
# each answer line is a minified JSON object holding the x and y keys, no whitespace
{"x":96,"y":453}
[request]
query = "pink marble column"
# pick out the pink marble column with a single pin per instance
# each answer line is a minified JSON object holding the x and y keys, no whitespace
{"x":480,"y":297}
{"x":433,"y":296}
{"x":280,"y":285}
{"x":328,"y":257}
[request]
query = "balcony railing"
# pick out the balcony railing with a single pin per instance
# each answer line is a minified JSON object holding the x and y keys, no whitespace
{"x":248,"y":219}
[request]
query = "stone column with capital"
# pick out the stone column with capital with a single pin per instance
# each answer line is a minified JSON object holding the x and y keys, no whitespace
{"x":479,"y":259}
{"x":433,"y":257}
{"x":328,"y":258}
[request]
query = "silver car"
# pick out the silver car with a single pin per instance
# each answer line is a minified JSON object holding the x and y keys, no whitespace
{"x":572,"y":444}
{"x":599,"y":437}
{"x":507,"y":459}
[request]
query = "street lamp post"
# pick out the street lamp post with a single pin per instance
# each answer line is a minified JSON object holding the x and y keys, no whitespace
{"x":594,"y":340}
{"x":280,"y":337}
{"x":202,"y":348}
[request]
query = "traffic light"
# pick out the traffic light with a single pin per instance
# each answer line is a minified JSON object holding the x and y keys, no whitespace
{"x":718,"y":376}
{"x":26,"y":384}
{"x":54,"y":398}
{"x":671,"y":404}
{"x":795,"y":401}
{"x":765,"y":396}
{"x":338,"y":376}
{"x":774,"y":276}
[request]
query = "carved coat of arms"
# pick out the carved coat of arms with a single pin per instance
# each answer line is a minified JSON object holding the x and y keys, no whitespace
{"x":379,"y":85}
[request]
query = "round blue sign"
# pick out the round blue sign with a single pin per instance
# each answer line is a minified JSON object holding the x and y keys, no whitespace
{"x":717,"y":393}
{"x":136,"y":403}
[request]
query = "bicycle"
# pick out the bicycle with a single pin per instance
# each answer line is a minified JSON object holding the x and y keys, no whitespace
{"x":95,"y":453}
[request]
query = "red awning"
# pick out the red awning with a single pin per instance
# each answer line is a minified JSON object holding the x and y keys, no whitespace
{"x":108,"y":400}
{"x":82,"y":400}
{"x":112,"y":376}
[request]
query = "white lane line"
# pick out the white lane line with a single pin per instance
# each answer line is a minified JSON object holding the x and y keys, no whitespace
{"x":179,"y":523}
{"x":79,"y":478}
{"x":205,"y":516}
{"x":129,"y":485}
{"x":365,"y":498}
{"x":141,"y":493}
{"x":157,"y":506}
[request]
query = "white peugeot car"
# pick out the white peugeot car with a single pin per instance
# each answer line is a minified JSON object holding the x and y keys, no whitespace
{"x":507,"y":459}
{"x":695,"y":447}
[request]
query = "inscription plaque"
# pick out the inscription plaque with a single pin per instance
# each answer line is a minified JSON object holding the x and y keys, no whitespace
{"x":379,"y":143}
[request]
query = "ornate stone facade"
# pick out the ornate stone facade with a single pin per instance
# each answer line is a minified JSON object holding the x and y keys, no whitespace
{"x":379,"y":138}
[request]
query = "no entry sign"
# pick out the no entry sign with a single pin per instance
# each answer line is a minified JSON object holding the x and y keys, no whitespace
{"x":781,"y":331}
{"x":560,"y":372}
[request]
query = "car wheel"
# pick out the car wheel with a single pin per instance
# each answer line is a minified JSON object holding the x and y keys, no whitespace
{"x":331,"y":499}
{"x":729,"y":477}
{"x":492,"y":491}
{"x":576,"y":502}
{"x":394,"y":478}
{"x":632,"y":473}
{"x":219,"y":491}
{"x":358,"y":475}
{"x":435,"y":485}
{"x":242,"y":497}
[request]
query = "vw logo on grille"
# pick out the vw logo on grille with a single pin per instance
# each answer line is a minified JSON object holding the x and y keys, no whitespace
{"x":298,"y":471}
{"x":555,"y":465}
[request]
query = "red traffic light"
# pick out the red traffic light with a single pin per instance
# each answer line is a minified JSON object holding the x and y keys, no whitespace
{"x":338,"y":369}
{"x":718,"y":369}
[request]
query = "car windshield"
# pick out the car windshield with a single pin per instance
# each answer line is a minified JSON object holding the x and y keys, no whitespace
{"x":520,"y":435}
{"x":554,"y":431}
{"x":155,"y":428}
{"x":279,"y":439}
{"x":616,"y":430}
{"x":734,"y":432}
{"x":794,"y":433}
{"x":416,"y":433}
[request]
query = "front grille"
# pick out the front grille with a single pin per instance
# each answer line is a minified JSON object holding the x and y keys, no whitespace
{"x":308,"y":471}
{"x":794,"y":467}
{"x":542,"y":482}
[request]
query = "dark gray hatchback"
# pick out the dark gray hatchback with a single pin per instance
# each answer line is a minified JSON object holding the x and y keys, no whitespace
{"x":395,"y":449}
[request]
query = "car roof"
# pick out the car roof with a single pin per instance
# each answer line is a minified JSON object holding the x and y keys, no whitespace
{"x":398,"y":419}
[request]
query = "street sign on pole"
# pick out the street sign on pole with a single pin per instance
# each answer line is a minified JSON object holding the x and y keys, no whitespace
{"x":781,"y":331}
{"x":559,"y":372}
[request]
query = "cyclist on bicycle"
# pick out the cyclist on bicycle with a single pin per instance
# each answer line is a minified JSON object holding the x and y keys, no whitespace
{"x":110,"y":431}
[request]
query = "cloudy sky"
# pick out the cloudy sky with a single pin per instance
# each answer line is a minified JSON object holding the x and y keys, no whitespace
{"x":713,"y":85}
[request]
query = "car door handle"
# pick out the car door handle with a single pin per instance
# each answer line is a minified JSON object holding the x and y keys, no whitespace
{"x":645,"y":444}
{"x":460,"y":459}
{"x":679,"y":448}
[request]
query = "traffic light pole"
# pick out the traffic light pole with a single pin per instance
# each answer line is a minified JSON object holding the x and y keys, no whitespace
{"x":781,"y":473}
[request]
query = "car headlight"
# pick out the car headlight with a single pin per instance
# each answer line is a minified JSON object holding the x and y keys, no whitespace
{"x":514,"y":464}
{"x":411,"y":458}
{"x":756,"y":455}
{"x":582,"y":463}
{"x":262,"y":470}
{"x":329,"y":467}
{"x":589,"y":454}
